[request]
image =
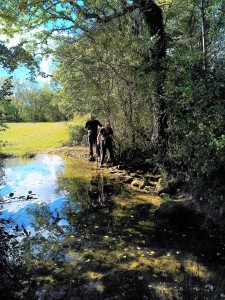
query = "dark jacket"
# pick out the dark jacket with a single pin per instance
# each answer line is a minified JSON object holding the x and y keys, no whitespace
{"x":106,"y":135}
{"x":93,"y":126}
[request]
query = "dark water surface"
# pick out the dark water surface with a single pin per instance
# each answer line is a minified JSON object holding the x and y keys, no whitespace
{"x":85,"y":236}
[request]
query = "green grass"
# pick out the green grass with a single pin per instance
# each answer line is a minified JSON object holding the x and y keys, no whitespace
{"x":22,"y":138}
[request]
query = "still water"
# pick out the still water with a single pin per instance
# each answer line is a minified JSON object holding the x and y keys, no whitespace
{"x":85,"y":236}
{"x":26,"y":183}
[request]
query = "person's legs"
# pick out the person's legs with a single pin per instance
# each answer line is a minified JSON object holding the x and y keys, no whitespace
{"x":90,"y":141}
{"x":110,"y":148}
{"x":102,"y":153}
{"x":98,"y":150}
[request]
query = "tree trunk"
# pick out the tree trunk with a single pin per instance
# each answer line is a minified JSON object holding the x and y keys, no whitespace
{"x":203,"y":34}
{"x":154,"y":20}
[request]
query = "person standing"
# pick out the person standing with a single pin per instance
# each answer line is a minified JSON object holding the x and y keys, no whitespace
{"x":105,"y":139}
{"x":91,"y":127}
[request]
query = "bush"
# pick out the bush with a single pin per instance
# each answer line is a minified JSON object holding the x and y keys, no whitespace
{"x":76,"y":135}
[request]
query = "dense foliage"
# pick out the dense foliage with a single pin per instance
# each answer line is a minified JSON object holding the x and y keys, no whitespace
{"x":109,"y":71}
{"x":102,"y":73}
{"x":13,"y":274}
{"x":194,"y":87}
{"x":155,"y":69}
{"x":30,"y":102}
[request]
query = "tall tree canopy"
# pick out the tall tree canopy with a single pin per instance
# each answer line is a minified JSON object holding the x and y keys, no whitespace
{"x":155,"y":68}
{"x":75,"y":18}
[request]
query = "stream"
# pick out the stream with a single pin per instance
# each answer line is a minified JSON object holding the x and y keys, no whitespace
{"x":85,"y":235}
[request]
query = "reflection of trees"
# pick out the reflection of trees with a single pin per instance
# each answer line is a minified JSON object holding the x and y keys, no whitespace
{"x":109,"y":247}
{"x":13,"y":273}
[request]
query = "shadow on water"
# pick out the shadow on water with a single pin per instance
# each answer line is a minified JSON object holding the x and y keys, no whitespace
{"x":103,"y":243}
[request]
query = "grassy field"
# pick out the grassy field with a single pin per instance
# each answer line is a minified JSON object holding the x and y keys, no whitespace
{"x":24,"y":138}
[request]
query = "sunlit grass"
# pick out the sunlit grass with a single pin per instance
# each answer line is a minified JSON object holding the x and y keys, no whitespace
{"x":22,"y":138}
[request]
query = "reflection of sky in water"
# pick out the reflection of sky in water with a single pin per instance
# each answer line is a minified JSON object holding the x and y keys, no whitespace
{"x":38,"y":175}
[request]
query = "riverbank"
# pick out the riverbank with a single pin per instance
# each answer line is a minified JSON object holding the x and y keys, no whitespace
{"x":170,"y":191}
{"x":116,"y":245}
{"x":175,"y":195}
{"x":177,"y":206}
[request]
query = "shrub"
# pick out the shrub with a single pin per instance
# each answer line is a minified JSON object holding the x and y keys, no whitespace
{"x":76,"y":135}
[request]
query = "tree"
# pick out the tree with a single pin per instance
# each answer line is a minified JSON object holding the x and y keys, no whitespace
{"x":103,"y":72}
{"x":34,"y":103}
{"x":194,"y":89}
{"x":161,"y":78}
{"x":10,"y":59}
{"x":79,"y":19}
{"x":5,"y":105}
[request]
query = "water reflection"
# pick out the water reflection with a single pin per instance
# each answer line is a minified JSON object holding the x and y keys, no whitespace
{"x":28,"y":182}
{"x":100,"y":241}
{"x":100,"y":192}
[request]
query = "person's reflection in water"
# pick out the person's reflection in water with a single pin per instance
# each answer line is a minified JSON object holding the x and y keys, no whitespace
{"x":99,"y":193}
{"x":102,"y":197}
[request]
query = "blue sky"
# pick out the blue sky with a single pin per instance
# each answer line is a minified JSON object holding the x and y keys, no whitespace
{"x":22,"y":73}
